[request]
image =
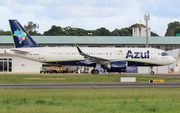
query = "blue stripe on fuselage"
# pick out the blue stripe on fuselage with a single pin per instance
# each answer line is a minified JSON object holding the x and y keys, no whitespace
{"x":74,"y":63}
{"x":86,"y":63}
{"x":131,"y":63}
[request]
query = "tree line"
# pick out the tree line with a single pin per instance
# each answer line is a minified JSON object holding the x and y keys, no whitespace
{"x":172,"y":30}
{"x":69,"y":31}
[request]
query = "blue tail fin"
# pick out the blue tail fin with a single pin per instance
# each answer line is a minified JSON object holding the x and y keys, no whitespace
{"x":20,"y":36}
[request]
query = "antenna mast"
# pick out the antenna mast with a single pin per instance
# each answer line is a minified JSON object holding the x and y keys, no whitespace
{"x":146,"y":18}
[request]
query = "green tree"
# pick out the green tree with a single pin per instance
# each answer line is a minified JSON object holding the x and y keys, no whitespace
{"x":90,"y":32}
{"x":82,"y":32}
{"x":31,"y":28}
{"x":75,"y":31}
{"x":116,"y":32}
{"x":121,"y":32}
{"x":102,"y":32}
{"x":124,"y":32}
{"x":154,"y":34}
{"x":2,"y":32}
{"x":176,"y":30}
{"x":55,"y":30}
{"x":171,"y":27}
{"x":66,"y":31}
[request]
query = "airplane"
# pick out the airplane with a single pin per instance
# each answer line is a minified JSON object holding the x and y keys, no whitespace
{"x":110,"y":59}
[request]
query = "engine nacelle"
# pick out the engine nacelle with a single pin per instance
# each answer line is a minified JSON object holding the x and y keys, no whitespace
{"x":117,"y":66}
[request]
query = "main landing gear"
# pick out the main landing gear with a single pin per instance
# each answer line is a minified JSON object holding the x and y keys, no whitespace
{"x":95,"y":71}
{"x":152,"y":72}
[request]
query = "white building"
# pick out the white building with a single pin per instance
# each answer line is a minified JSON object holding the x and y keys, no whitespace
{"x":141,"y":32}
{"x":10,"y":63}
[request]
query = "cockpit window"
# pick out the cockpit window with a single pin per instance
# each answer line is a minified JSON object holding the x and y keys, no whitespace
{"x":164,"y":54}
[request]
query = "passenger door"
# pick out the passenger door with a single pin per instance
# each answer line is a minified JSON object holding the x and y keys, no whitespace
{"x":153,"y":55}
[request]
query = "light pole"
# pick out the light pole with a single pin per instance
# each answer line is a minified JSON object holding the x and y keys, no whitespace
{"x":147,"y":17}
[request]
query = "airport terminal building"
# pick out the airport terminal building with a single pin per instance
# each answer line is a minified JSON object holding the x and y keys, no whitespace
{"x":14,"y":64}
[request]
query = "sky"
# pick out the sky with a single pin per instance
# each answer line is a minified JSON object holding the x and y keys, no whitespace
{"x":90,"y":14}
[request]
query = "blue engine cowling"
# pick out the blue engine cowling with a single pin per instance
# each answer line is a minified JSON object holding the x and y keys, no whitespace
{"x":117,"y":66}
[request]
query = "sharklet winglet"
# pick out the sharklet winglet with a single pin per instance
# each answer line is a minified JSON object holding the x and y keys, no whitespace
{"x":79,"y":50}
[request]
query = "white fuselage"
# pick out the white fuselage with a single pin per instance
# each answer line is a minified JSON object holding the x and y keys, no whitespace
{"x":69,"y":54}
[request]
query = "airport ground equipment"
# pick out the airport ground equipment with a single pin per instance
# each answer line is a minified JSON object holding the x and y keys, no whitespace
{"x":53,"y":70}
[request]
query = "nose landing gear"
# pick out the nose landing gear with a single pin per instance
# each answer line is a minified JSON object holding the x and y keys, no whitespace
{"x":152,"y":72}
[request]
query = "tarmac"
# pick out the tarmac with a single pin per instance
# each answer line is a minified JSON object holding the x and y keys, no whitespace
{"x":91,"y":86}
{"x":170,"y":75}
{"x":96,"y":85}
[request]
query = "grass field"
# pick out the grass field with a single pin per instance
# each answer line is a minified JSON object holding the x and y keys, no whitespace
{"x":53,"y":78}
{"x":89,"y":100}
{"x":86,"y":100}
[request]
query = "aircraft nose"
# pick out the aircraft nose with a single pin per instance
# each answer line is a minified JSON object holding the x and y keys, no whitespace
{"x":172,"y":60}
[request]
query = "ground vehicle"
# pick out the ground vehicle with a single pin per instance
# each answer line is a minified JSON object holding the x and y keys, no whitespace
{"x":53,"y":70}
{"x":73,"y":70}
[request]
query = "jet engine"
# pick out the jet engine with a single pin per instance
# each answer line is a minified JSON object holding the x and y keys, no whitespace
{"x":117,"y":66}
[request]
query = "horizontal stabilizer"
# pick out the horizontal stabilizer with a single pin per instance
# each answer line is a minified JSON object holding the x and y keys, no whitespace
{"x":19,"y":51}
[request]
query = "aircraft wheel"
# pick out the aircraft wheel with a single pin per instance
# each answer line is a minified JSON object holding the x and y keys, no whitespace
{"x":96,"y":72}
{"x":93,"y":71}
{"x":152,"y":72}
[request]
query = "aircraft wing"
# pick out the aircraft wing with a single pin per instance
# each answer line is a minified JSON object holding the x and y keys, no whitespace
{"x":19,"y":51}
{"x":91,"y":58}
